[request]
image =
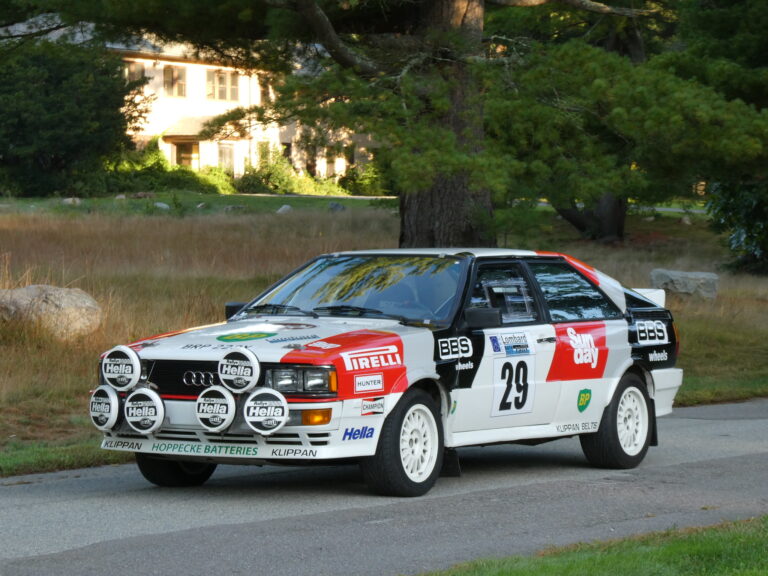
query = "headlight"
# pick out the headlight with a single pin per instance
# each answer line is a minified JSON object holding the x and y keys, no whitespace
{"x":302,"y":379}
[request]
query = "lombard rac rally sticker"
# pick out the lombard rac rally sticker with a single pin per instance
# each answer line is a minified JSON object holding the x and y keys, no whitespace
{"x":265,"y":411}
{"x":144,"y":411}
{"x":215,"y":408}
{"x":104,"y":408}
{"x":121,"y":368}
{"x":239,"y":370}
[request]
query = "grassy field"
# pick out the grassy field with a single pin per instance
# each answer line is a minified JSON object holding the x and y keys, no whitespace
{"x":154,"y":273}
{"x":733,"y":549}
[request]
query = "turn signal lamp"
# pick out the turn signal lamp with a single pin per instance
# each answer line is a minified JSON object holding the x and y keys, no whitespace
{"x":316,"y":417}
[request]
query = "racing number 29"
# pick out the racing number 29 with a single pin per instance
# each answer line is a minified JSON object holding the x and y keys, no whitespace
{"x":513,"y":388}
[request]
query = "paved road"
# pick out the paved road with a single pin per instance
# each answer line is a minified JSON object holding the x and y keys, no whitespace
{"x":711,"y":466}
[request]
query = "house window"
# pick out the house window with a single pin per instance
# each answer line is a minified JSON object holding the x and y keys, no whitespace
{"x":134,"y":71}
{"x":175,"y":81}
{"x":188,"y":154}
{"x":227,"y":158}
{"x":264,"y":88}
{"x":222,"y":85}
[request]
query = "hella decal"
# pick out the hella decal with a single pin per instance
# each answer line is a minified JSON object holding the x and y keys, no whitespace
{"x":358,"y":433}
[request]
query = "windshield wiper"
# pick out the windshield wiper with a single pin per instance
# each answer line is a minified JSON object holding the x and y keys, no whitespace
{"x":346,"y":309}
{"x":278,"y":309}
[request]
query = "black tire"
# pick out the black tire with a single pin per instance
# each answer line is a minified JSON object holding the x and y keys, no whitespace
{"x":625,"y":430}
{"x":174,"y":473}
{"x":409,"y":456}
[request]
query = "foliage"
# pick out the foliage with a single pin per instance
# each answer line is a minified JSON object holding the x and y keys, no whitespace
{"x":584,"y":121}
{"x":728,"y":50}
{"x":60,"y":117}
{"x":741,"y":209}
{"x":365,"y":180}
{"x":275,"y":175}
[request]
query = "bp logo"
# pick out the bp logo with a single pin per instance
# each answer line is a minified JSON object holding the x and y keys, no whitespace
{"x":215,"y":408}
{"x":265,"y":411}
{"x":584,"y":397}
{"x":245,"y":336}
{"x":144,"y":411}
{"x":104,"y":408}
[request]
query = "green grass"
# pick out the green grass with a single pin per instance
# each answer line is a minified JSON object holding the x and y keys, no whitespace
{"x":733,"y":549}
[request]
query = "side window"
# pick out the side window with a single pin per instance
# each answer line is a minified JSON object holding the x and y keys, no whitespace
{"x":503,"y":286}
{"x":570,"y":296}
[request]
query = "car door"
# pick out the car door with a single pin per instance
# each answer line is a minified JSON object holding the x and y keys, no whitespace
{"x":510,"y":387}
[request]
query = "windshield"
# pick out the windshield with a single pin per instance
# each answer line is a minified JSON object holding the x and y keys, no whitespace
{"x":420,"y":289}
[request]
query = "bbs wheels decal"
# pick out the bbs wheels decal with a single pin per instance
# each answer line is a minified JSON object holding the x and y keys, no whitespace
{"x":144,"y":411}
{"x":121,"y":368}
{"x":239,"y":370}
{"x":265,"y":411}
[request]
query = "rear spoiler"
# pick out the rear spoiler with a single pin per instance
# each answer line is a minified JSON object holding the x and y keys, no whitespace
{"x":655,"y":295}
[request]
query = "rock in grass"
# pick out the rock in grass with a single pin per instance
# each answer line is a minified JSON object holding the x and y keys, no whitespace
{"x":284,"y":209}
{"x":65,"y":313}
{"x":702,"y":284}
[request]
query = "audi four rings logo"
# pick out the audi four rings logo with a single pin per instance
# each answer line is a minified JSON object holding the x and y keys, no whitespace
{"x":200,"y":379}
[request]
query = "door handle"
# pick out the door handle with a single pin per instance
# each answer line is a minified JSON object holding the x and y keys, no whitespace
{"x":547,"y":340}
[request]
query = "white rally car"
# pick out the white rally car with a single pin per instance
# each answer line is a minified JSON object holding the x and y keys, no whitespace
{"x":394,"y":359}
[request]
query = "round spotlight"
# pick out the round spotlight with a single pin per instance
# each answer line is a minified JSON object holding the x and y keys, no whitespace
{"x":239,"y":370}
{"x":121,"y":368}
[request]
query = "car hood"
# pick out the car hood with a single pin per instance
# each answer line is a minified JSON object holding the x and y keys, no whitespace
{"x":269,"y":337}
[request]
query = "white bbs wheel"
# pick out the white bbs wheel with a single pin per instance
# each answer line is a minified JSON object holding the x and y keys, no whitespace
{"x":410,"y":451}
{"x":632,"y":421}
{"x":625,"y":429}
{"x":419,"y":441}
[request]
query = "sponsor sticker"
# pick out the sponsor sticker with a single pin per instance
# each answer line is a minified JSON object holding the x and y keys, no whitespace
{"x":516,"y":344}
{"x":144,"y":411}
{"x":363,"y":433}
{"x":369,"y":383}
{"x":292,"y":339}
{"x":323,"y":345}
{"x":584,"y":398}
{"x":215,"y":408}
{"x":121,"y":368}
{"x":239,"y":370}
{"x":454,"y":348}
{"x":372,"y":358}
{"x":584,"y":349}
{"x":652,"y":332}
{"x":371,"y":406}
{"x":657,"y":356}
{"x":104,"y":408}
{"x":495,"y":346}
{"x":265,"y":411}
{"x":245,"y":336}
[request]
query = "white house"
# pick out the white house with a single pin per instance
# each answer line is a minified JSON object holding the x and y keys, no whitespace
{"x":187,"y":92}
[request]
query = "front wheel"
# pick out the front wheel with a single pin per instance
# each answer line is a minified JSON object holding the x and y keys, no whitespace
{"x":410,"y":451}
{"x":173,"y":473}
{"x":625,"y":430}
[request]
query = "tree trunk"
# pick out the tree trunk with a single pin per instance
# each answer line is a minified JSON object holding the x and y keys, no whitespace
{"x":603,"y":221}
{"x":452,"y":212}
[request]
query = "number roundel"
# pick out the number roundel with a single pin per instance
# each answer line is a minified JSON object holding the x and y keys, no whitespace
{"x":513,"y":387}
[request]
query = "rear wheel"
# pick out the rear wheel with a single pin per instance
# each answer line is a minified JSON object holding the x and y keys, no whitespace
{"x":174,"y":473}
{"x":625,"y":430}
{"x":410,"y":451}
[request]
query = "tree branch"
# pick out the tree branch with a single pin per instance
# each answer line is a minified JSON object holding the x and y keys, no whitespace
{"x":327,"y":35}
{"x":589,"y":5}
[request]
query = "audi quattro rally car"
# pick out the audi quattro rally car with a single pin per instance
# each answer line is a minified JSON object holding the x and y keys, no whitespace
{"x":395,"y":358}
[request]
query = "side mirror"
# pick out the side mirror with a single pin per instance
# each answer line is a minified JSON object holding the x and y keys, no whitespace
{"x":478,"y":318}
{"x":232,"y":308}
